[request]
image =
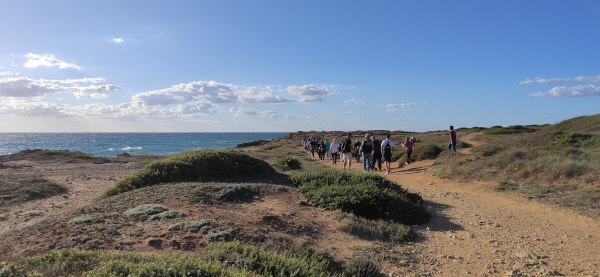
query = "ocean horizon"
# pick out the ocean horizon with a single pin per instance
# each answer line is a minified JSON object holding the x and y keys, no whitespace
{"x":111,"y":144}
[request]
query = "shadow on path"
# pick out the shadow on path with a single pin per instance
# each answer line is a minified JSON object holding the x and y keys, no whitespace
{"x":439,"y":222}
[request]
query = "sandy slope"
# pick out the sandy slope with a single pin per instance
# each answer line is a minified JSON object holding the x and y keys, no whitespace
{"x":477,"y":231}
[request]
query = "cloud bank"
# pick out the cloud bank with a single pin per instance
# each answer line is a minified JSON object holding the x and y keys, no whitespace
{"x":310,"y":93}
{"x":397,"y":107}
{"x":576,"y":91}
{"x":80,"y":88}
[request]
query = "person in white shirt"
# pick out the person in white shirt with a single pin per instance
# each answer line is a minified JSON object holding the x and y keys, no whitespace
{"x":387,"y":147}
{"x":334,"y":148}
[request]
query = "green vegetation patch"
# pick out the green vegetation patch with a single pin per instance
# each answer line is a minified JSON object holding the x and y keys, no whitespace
{"x":302,"y":262}
{"x":166,"y":215}
{"x":376,"y":229}
{"x":218,"y":259}
{"x":288,"y":163}
{"x":193,"y":226}
{"x":145,"y":210}
{"x":362,"y":194}
{"x":516,"y":129}
{"x":17,"y":188}
{"x":564,"y":140}
{"x":83,"y":219}
{"x":363,"y":265}
{"x":202,"y":165}
{"x":428,"y":151}
{"x":487,"y":150}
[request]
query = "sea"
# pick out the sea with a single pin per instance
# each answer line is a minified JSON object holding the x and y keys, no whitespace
{"x":111,"y":144}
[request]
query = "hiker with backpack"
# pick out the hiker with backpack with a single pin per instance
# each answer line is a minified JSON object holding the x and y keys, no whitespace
{"x":387,"y":146}
{"x":376,"y":153}
{"x":357,"y":150}
{"x":321,"y":150}
{"x":327,"y":147}
{"x":366,"y":149}
{"x":347,"y":151}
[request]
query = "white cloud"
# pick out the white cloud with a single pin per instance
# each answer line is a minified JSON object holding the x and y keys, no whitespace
{"x":241,"y":112}
{"x":117,"y":40}
{"x":205,"y":91}
{"x":353,"y":101}
{"x":397,"y":107}
{"x":310,"y":93}
{"x":256,"y":95}
{"x":27,"y":87}
{"x":582,"y":90}
{"x":8,"y":73}
{"x":45,"y":60}
{"x":539,"y":80}
{"x":20,"y":107}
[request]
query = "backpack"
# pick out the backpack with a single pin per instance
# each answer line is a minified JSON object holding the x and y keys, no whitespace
{"x":387,"y":149}
{"x":347,"y":146}
{"x":377,"y":147}
{"x":367,"y":146}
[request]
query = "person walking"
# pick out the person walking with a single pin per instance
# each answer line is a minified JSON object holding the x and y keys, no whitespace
{"x":366,"y":149}
{"x":327,"y":147}
{"x":347,"y":151}
{"x":313,"y":147}
{"x":334,"y":148}
{"x":452,"y":144}
{"x":376,"y":153}
{"x":321,"y":150}
{"x":387,"y":147}
{"x":409,"y":146}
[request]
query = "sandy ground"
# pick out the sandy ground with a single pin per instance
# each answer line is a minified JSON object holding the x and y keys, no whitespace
{"x":476,"y":231}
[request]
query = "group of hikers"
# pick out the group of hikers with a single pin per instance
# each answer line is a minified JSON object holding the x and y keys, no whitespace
{"x":373,"y":151}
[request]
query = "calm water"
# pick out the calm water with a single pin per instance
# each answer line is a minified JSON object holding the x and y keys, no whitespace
{"x":110,"y":144}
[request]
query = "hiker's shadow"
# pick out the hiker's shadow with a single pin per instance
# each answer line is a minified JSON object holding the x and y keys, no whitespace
{"x":439,"y":222}
{"x":413,"y":170}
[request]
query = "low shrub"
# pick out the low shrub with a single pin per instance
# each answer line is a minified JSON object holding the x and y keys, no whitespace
{"x":288,"y":163}
{"x":19,"y":188}
{"x":562,"y":140}
{"x":376,"y":229}
{"x":507,"y":186}
{"x":516,"y":129}
{"x":81,"y":220}
{"x":218,"y":259}
{"x":193,"y":226}
{"x":428,"y":151}
{"x":268,"y":263}
{"x":362,"y":194}
{"x":362,"y":265}
{"x":201,"y":165}
{"x":166,"y":215}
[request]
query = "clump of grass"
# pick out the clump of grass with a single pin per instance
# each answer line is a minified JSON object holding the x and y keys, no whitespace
{"x":81,"y":220}
{"x":145,"y":210}
{"x":365,"y":195}
{"x":488,"y":150}
{"x":267,"y":263}
{"x":194,"y":226}
{"x":288,"y":163}
{"x":507,"y":186}
{"x":362,"y":265}
{"x":237,"y":194}
{"x":166,"y":215}
{"x":376,"y":229}
{"x":428,"y":151}
{"x":562,"y":140}
{"x":202,"y":165}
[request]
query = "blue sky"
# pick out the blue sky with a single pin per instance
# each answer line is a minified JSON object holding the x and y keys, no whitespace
{"x":152,"y":66}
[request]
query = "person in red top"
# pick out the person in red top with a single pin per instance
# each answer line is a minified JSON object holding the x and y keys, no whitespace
{"x":452,"y":144}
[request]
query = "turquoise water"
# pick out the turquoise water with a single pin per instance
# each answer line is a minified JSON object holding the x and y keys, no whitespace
{"x":110,"y":144}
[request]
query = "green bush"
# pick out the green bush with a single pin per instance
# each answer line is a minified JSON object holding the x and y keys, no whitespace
{"x":363,"y":266}
{"x":81,"y":220}
{"x":219,"y":259}
{"x":563,"y":140}
{"x":201,"y":165}
{"x":166,"y":215}
{"x":428,"y":151}
{"x":517,"y":129}
{"x":267,"y":263}
{"x":288,"y":163}
{"x":363,"y":194}
{"x":376,"y":229}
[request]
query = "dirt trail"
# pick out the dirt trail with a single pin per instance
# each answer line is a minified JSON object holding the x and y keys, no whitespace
{"x":477,"y":231}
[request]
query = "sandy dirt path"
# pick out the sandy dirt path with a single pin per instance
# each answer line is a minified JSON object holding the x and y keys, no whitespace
{"x":476,"y":231}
